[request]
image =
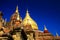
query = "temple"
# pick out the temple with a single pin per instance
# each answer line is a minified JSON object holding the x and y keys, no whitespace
{"x":26,"y":29}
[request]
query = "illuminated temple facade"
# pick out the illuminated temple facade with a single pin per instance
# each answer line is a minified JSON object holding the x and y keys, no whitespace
{"x":26,"y":29}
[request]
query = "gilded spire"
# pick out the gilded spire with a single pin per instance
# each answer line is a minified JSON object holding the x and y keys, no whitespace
{"x":28,"y":20}
{"x":17,"y":9}
{"x":18,"y":16}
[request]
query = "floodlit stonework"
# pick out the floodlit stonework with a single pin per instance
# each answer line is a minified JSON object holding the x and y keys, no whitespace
{"x":26,"y":29}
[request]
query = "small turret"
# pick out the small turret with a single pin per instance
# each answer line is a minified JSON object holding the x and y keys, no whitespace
{"x":45,"y":29}
{"x":57,"y":35}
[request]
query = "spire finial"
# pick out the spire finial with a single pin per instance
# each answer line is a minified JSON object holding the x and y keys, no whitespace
{"x":18,"y":16}
{"x":27,"y":13}
{"x":45,"y":27}
{"x":17,"y":8}
{"x":27,"y":10}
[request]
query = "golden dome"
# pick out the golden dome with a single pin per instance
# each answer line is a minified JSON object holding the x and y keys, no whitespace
{"x":28,"y":20}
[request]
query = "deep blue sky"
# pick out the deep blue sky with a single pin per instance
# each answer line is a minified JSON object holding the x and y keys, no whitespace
{"x":44,"y":12}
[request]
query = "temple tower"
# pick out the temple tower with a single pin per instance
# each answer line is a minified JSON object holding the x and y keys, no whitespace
{"x":16,"y":19}
{"x":16,"y":24}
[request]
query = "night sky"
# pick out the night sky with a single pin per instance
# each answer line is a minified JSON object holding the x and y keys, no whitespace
{"x":44,"y":12}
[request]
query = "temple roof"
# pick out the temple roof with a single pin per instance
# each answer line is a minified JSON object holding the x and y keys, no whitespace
{"x":28,"y":20}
